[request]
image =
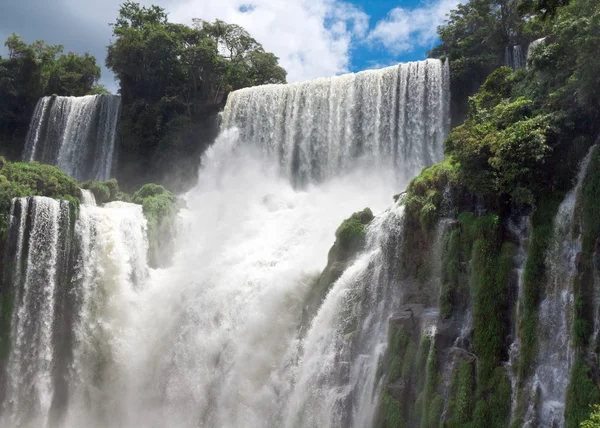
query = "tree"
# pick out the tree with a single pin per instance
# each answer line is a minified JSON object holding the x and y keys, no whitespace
{"x":474,"y":39}
{"x":172,"y":76}
{"x":32,"y":71}
{"x":594,"y":420}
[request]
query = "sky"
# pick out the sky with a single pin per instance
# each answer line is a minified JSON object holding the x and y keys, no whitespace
{"x":312,"y":38}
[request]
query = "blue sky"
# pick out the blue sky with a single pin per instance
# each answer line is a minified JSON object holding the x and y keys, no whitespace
{"x":313,"y":38}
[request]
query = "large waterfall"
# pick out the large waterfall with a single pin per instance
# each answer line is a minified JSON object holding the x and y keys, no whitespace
{"x":219,"y":338}
{"x":391,"y":118}
{"x":77,"y":134}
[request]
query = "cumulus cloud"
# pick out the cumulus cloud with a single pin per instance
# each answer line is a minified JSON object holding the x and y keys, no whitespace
{"x":403,"y":30}
{"x":312,"y":38}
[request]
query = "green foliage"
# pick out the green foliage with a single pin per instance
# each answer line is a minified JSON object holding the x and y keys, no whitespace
{"x":594,"y":419}
{"x":581,"y":393}
{"x":390,"y":412}
{"x":107,"y":191}
{"x":160,"y":208}
{"x":534,"y":277}
{"x":502,"y":145}
{"x":425,"y":192}
{"x":6,"y":305}
{"x":474,"y":38}
{"x":462,"y":399}
{"x":32,"y":179}
{"x":173,"y":74}
{"x":98,"y":89}
{"x":432,"y":411}
{"x":31,"y":71}
{"x":352,"y":233}
{"x":490,"y":280}
{"x":451,"y":272}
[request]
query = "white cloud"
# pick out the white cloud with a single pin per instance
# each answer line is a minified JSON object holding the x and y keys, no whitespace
{"x":312,"y":38}
{"x":403,"y":30}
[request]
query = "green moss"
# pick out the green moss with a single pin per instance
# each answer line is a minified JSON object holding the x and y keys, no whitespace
{"x":594,"y":419}
{"x":581,"y":393}
{"x":450,"y":272}
{"x":390,"y":412}
{"x":100,"y":191}
{"x":499,"y":399}
{"x":590,"y":235}
{"x":425,"y":193}
{"x":462,"y":399}
{"x":490,"y":282}
{"x":428,"y":415}
{"x":148,"y":190}
{"x":32,"y":179}
{"x":352,"y":233}
{"x":534,"y":278}
{"x":6,"y":306}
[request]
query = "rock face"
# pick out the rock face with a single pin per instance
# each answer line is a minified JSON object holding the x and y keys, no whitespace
{"x":408,"y":319}
{"x":350,"y":241}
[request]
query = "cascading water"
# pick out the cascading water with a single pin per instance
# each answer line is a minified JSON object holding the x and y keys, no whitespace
{"x":216,"y":339}
{"x":555,"y":353}
{"x":514,"y":57}
{"x":520,"y":227}
{"x":39,"y":253}
{"x":103,"y":267}
{"x":77,"y":134}
{"x":396,"y":117}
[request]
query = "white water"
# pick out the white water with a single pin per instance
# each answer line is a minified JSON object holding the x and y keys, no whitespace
{"x":216,"y":340}
{"x":77,"y":134}
{"x":30,"y":386}
{"x":555,"y":354}
{"x":514,"y":57}
{"x":109,"y":273}
{"x":396,"y":117}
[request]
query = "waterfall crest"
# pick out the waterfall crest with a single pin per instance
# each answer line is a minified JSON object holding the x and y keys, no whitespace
{"x":77,"y":134}
{"x":393,"y":117}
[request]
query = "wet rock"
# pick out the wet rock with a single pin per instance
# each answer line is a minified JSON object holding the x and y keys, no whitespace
{"x":408,"y":318}
{"x":446,"y":333}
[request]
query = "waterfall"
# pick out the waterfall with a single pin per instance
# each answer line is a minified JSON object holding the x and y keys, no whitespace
{"x":39,"y":226}
{"x":217,"y":339}
{"x":77,"y":134}
{"x":514,"y":57}
{"x":520,"y":227}
{"x":394,"y":117}
{"x":555,"y":353}
{"x":53,"y":355}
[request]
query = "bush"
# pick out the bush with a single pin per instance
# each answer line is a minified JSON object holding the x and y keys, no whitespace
{"x":351,"y":233}
{"x":160,"y":208}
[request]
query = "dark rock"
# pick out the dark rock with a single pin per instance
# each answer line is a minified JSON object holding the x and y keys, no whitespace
{"x":400,"y":390}
{"x":446,"y":334}
{"x":408,"y":318}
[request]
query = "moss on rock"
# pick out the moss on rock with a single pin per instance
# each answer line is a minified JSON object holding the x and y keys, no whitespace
{"x":350,"y":240}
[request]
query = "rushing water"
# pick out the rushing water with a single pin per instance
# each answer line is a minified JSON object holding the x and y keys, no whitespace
{"x":555,"y":353}
{"x":396,"y":117}
{"x":39,"y":254}
{"x":216,"y":340}
{"x":77,"y":134}
{"x":514,"y":57}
